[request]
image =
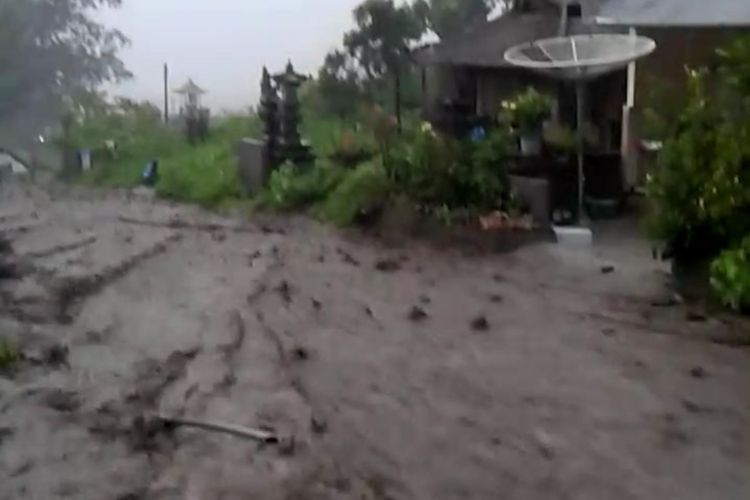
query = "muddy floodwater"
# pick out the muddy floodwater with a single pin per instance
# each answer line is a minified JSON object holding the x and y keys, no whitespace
{"x":399,"y":371}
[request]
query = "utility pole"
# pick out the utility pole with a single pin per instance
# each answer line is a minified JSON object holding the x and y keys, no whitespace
{"x":166,"y":94}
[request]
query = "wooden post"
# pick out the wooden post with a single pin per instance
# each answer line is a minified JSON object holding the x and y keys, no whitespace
{"x":398,"y":101}
{"x":166,"y":94}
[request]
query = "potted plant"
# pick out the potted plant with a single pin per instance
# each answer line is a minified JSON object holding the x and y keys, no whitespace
{"x":527,"y":112}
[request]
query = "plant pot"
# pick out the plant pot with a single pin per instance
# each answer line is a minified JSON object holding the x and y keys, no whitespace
{"x":531,"y":144}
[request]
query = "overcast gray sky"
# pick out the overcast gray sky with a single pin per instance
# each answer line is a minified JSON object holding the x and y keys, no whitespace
{"x":223,"y":44}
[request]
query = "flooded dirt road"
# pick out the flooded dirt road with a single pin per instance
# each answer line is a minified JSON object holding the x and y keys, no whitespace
{"x":406,"y":372}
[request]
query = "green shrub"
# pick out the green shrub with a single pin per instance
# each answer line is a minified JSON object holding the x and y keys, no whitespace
{"x":436,"y":171}
{"x":700,"y":191}
{"x":205,"y":174}
{"x":9,"y":355}
{"x":730,"y":276}
{"x":361,"y":192}
{"x":292,"y":187}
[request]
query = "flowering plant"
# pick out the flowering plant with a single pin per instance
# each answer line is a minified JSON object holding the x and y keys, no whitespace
{"x":528,"y":110}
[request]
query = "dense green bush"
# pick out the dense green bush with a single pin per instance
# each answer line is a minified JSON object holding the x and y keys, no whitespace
{"x":360,"y":193}
{"x":730,"y":276}
{"x":437,"y":171}
{"x":292,"y":188}
{"x":204,"y":174}
{"x":700,"y":190}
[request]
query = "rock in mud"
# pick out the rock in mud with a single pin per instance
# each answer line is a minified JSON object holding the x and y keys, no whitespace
{"x":300,"y":354}
{"x":417,"y":315}
{"x":5,"y":433}
{"x":318,"y":424}
{"x":285,"y":291}
{"x":698,"y":372}
{"x":480,"y":324}
{"x":388,"y":266}
{"x":348,"y":258}
{"x":608,"y":269}
{"x":609,"y":332}
{"x":62,"y":401}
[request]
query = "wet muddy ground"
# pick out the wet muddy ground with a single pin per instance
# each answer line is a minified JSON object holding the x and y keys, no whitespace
{"x":406,"y":371}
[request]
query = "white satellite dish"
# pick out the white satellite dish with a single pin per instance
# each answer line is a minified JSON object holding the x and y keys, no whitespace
{"x":579,"y":58}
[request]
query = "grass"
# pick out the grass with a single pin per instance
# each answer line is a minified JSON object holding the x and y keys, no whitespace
{"x":9,"y":355}
{"x":204,"y":174}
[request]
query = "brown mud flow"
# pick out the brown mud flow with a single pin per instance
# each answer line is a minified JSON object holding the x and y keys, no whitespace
{"x":382,"y":372}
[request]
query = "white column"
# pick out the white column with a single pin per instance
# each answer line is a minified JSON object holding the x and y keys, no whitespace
{"x":628,"y":150}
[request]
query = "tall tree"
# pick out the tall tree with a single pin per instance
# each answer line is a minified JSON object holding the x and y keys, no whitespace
{"x":382,"y":37}
{"x":452,"y":17}
{"x":54,"y":49}
{"x":338,"y":84}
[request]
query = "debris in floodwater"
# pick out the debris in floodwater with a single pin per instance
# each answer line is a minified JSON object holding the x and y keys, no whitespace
{"x":62,"y":401}
{"x":56,"y":356}
{"x":417,"y":314}
{"x":369,"y":312}
{"x":285,"y":290}
{"x":387,"y":266}
{"x":608,"y":269}
{"x":151,"y":426}
{"x":693,"y":407}
{"x":300,"y":354}
{"x":348,"y":258}
{"x":698,"y":372}
{"x":480,"y":324}
{"x":253,"y":257}
{"x":317,"y":305}
{"x":318,"y":424}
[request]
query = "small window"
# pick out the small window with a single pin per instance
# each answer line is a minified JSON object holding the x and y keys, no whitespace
{"x":574,"y":10}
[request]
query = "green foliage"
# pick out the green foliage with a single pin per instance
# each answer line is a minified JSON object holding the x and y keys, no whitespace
{"x":136,"y":128}
{"x":361,"y":192}
{"x":437,"y":171}
{"x":449,"y":18}
{"x":52,"y":50}
{"x":701,"y":188}
{"x":293,"y":188}
{"x":205,"y":174}
{"x":561,"y":138}
{"x":527,"y":110}
{"x":383,"y":32}
{"x":730,"y":276}
{"x":9,"y":355}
